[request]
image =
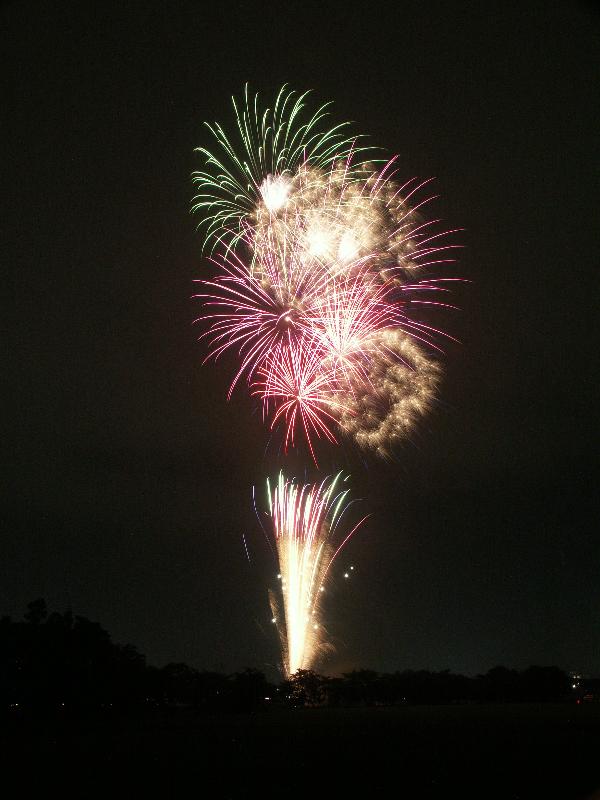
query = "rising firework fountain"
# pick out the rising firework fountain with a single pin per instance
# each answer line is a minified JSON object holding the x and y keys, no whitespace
{"x":307,"y":524}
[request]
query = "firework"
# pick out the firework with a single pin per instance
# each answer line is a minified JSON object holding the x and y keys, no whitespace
{"x":321,"y":278}
{"x":306,"y":521}
{"x":273,"y":144}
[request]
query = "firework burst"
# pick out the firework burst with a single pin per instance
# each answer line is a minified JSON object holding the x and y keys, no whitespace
{"x":322,"y":276}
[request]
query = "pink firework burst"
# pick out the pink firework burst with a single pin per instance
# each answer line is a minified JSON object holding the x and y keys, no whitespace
{"x":320,"y":293}
{"x":246,"y":316}
{"x":301,"y":391}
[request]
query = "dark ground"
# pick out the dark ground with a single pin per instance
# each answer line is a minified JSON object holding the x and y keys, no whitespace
{"x":507,"y":752}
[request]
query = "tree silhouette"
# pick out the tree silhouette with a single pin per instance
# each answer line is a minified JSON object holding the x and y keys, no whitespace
{"x":305,"y":688}
{"x":62,"y":661}
{"x":36,"y":611}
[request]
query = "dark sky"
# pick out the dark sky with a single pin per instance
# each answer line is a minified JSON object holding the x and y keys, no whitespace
{"x":128,"y":477}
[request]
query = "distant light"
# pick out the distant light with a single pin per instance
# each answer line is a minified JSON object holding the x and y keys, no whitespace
{"x":346,"y":575}
{"x":322,"y":589}
{"x":315,"y":627}
{"x":279,"y":577}
{"x":574,"y":686}
{"x":351,"y":567}
{"x":273,"y":620}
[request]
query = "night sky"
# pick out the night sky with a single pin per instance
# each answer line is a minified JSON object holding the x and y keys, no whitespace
{"x":128,"y":476}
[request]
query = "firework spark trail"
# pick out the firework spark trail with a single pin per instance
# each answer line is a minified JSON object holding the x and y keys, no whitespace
{"x":305,"y":520}
{"x":320,"y":286}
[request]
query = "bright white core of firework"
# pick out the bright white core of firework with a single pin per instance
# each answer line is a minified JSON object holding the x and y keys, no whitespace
{"x":319,"y":241}
{"x":348,"y":248}
{"x":274,"y":192}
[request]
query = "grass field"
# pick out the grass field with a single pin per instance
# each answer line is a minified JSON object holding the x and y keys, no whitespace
{"x":508,"y":752}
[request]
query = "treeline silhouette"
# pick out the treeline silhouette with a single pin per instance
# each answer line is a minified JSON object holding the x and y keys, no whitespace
{"x":61,"y":663}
